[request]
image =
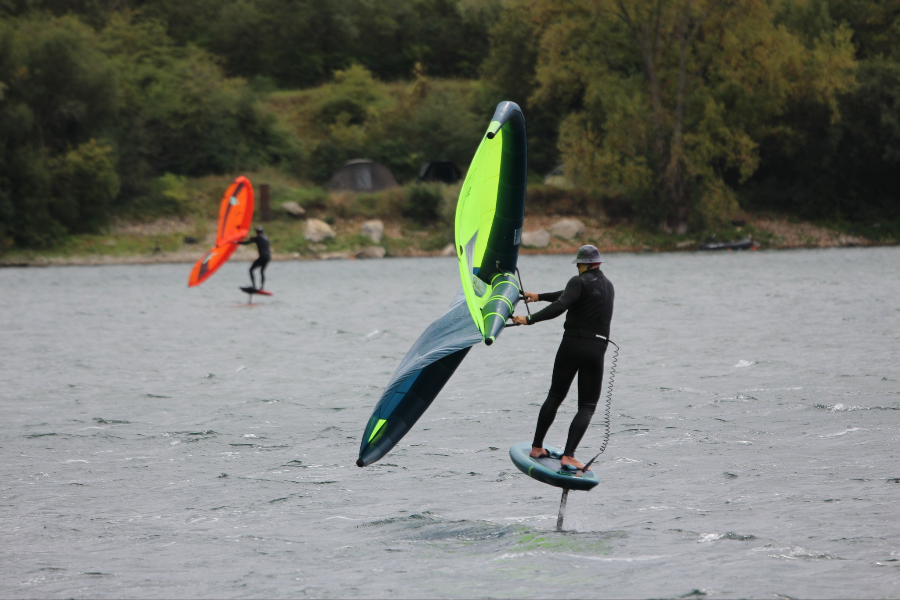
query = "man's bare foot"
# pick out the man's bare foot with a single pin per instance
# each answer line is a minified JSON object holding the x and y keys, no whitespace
{"x":572,"y":462}
{"x":539,"y":452}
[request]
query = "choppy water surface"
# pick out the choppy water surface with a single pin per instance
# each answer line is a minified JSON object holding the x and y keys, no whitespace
{"x":158,"y":441}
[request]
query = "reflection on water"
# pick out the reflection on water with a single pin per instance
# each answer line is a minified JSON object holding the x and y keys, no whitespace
{"x":161,"y":441}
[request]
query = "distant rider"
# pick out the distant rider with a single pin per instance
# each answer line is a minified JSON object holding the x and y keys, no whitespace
{"x":265,"y":255}
{"x":589,"y":299}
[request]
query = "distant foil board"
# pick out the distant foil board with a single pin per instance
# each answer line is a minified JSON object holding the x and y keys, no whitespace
{"x":548,"y":470}
{"x":250,"y":290}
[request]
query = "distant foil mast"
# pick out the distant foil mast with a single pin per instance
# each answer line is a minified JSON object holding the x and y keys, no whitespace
{"x":235,"y":218}
{"x":489,"y":217}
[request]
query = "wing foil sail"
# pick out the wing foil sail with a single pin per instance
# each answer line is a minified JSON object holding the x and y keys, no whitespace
{"x":235,"y":217}
{"x":489,"y":217}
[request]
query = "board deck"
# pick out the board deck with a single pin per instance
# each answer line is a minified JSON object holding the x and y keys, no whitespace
{"x":548,"y":470}
{"x":250,"y":290}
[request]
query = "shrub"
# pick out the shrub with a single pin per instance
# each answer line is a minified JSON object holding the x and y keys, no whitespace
{"x":85,"y":184}
{"x":423,"y":203}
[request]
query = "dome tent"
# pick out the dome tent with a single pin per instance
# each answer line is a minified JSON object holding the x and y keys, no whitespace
{"x":443,"y":171}
{"x":362,"y":175}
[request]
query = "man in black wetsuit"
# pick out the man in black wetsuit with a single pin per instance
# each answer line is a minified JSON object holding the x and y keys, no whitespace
{"x":265,"y":255}
{"x":589,"y":299}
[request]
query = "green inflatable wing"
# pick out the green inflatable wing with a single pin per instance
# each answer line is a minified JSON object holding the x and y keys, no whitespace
{"x":489,"y":216}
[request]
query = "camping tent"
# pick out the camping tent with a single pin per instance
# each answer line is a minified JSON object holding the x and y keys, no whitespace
{"x":443,"y":171}
{"x":362,"y":175}
{"x":557,"y":178}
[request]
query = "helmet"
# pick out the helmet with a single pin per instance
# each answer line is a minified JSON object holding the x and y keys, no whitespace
{"x":587,"y":255}
{"x":259,"y":230}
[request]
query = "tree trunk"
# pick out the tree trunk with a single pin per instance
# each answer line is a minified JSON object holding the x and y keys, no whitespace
{"x":674,"y":177}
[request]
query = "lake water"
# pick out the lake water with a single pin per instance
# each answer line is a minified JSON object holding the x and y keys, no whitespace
{"x":160,"y":441}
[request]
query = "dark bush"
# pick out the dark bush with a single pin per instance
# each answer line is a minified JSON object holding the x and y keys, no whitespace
{"x":85,"y":184}
{"x":82,"y":112}
{"x":423,"y":203}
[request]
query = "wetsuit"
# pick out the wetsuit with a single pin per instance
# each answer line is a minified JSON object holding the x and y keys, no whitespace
{"x":265,"y":255}
{"x":589,"y":299}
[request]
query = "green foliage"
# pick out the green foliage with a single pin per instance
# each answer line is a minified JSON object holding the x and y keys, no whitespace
{"x":770,"y":107}
{"x":666,"y":108}
{"x":849,"y":169}
{"x":58,"y":92}
{"x":399,"y":125}
{"x":173,"y":195}
{"x":672,"y":112}
{"x":510,"y":73}
{"x":301,"y":42}
{"x":423,"y":203}
{"x":182,"y":115}
{"x":85,"y":184}
{"x":89,"y":120}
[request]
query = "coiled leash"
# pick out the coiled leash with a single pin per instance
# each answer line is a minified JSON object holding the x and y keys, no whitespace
{"x":606,"y":418}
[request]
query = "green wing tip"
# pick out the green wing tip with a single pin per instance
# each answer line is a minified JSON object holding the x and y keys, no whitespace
{"x":490,"y":340}
{"x":378,"y":427}
{"x":493,"y":128}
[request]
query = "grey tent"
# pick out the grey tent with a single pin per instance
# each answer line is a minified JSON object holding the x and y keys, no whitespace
{"x":443,"y":171}
{"x":557,"y":178}
{"x":362,"y":175}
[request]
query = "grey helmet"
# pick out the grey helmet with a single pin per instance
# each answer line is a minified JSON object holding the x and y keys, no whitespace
{"x":259,"y":231}
{"x":587,"y":254}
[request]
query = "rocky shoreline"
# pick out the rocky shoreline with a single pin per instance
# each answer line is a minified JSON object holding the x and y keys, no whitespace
{"x":374,"y":239}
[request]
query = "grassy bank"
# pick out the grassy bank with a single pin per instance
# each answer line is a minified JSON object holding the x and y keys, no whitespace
{"x":417,"y":222}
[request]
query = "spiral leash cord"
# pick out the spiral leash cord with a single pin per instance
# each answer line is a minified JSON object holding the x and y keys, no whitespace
{"x":606,"y":413}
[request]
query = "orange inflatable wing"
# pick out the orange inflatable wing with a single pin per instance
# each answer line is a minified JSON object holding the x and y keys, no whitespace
{"x":210,"y":263}
{"x":235,"y":212}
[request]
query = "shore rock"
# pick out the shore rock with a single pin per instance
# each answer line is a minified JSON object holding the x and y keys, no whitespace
{"x":293,"y":209}
{"x":686,"y":244}
{"x":318,"y":231}
{"x":334,"y":255}
{"x":567,"y":228}
{"x":371,"y":252}
{"x":373,"y":230}
{"x":536,"y":239}
{"x":449,"y":250}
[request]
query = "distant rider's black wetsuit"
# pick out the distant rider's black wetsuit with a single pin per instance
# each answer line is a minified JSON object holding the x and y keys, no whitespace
{"x":589,"y":299}
{"x":265,"y":255}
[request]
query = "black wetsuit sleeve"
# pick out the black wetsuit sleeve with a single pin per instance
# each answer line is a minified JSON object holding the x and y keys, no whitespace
{"x":569,"y":296}
{"x":248,"y":241}
{"x":550,"y":296}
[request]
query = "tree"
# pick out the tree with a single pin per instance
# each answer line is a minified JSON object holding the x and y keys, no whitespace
{"x":57,"y":92}
{"x":846,"y":169}
{"x":676,"y":95}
